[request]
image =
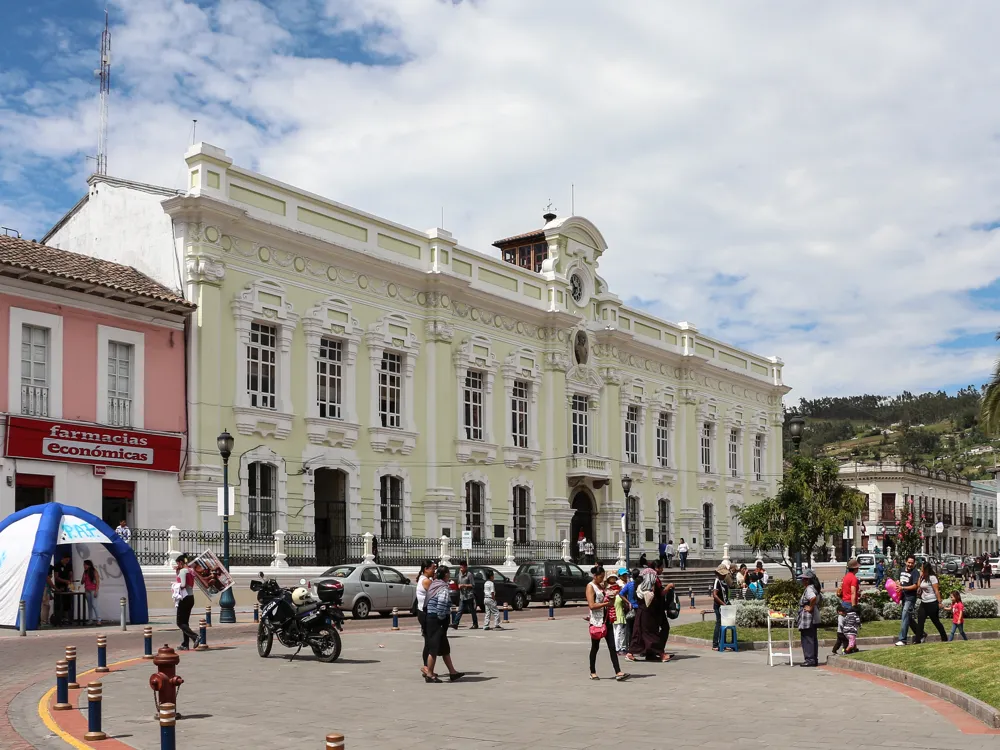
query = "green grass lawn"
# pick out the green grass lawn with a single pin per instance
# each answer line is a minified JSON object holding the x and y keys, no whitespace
{"x":869,"y":629}
{"x":969,"y":666}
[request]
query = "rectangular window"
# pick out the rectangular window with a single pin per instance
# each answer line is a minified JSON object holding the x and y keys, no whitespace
{"x":474,"y":509}
{"x":34,"y":370}
{"x":734,"y":452}
{"x":472,"y":399}
{"x":663,"y":440}
{"x":519,"y":513}
{"x":580,"y":425}
{"x":632,"y":515}
{"x":632,"y":434}
{"x":329,"y":374}
{"x":758,"y":458}
{"x":392,"y":507}
{"x":262,"y":356}
{"x":519,"y":414}
{"x":120,"y":384}
{"x":706,"y":447}
{"x":390,"y":389}
{"x":708,"y":524}
{"x":663,"y":519}
{"x":261,"y":497}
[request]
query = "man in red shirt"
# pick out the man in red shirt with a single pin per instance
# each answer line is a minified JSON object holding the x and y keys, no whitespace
{"x":850,"y":586}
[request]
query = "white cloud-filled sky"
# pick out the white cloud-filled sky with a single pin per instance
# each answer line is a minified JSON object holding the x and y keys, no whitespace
{"x":812,"y":180}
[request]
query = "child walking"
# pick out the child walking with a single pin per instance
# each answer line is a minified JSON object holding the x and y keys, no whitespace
{"x":852,"y":624}
{"x":842,"y":641}
{"x":957,"y":616}
{"x":621,"y":624}
{"x":490,"y":601}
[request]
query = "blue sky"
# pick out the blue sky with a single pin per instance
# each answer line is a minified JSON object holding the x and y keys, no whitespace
{"x":818,"y":182}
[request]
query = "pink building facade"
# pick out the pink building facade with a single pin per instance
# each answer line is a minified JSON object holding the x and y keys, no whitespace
{"x":92,"y":386}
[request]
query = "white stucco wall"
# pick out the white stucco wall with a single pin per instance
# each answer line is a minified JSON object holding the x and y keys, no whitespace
{"x":124,"y":222}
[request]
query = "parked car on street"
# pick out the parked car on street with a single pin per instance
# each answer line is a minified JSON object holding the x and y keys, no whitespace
{"x":866,"y":569}
{"x":952,"y":565}
{"x":507,"y":592}
{"x":995,"y":567}
{"x":552,"y":580}
{"x":369,"y":587}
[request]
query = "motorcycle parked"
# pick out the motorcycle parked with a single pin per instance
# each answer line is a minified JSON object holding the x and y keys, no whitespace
{"x":298,"y":619}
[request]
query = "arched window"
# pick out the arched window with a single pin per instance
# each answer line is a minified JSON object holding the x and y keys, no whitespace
{"x":391,"y":506}
{"x":261,"y":499}
{"x":708,"y":532}
{"x":475,"y":509}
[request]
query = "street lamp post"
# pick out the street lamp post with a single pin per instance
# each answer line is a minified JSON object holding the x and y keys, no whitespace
{"x":227,"y":602}
{"x":626,"y":488}
{"x":795,"y":426}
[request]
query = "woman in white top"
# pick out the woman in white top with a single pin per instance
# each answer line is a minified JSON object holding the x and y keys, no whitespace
{"x":930,"y":603}
{"x":423,"y":581}
{"x":598,"y":602}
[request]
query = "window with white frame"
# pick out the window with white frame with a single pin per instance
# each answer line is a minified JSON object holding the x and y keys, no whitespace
{"x":632,"y":519}
{"x":581,"y":432}
{"x":632,"y":434}
{"x":706,"y":447}
{"x":120,"y":364}
{"x":708,"y":525}
{"x":390,"y":389}
{"x":521,"y":505}
{"x":758,"y":457}
{"x":472,"y":401}
{"x":262,"y":500}
{"x":519,"y":413}
{"x":734,"y":452}
{"x":663,"y":519}
{"x":391,"y":489}
{"x":329,"y":378}
{"x":262,"y":353}
{"x":663,"y":440}
{"x":35,"y":355}
{"x":475,"y":511}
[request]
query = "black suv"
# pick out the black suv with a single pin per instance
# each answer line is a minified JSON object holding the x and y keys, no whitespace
{"x":552,"y":580}
{"x":507,"y":592}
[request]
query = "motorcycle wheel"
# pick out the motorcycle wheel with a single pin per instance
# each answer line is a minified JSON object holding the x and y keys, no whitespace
{"x":329,"y":651}
{"x":265,"y":639}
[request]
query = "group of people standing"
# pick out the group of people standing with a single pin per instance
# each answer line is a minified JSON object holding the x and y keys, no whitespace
{"x":57,"y":604}
{"x":433,"y":606}
{"x":920,"y":592}
{"x":979,"y":571}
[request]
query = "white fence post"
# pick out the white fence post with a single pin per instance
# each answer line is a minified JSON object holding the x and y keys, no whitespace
{"x":508,"y":552}
{"x":621,"y":553}
{"x":565,"y":550}
{"x":279,"y":550}
{"x":369,"y":556}
{"x":173,"y":546}
{"x":444,"y":557}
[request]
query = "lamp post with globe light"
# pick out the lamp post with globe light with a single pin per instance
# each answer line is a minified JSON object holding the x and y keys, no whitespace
{"x":795,"y":427}
{"x":627,"y":487}
{"x":227,"y":602}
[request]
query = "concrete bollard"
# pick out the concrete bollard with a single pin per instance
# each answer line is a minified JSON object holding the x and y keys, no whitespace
{"x":335,"y":742}
{"x":102,"y":654}
{"x":71,"y":663}
{"x":506,"y":613}
{"x":168,"y":725}
{"x":691,"y":594}
{"x":552,"y":611}
{"x":454,"y":615}
{"x":21,"y":620}
{"x":202,"y":637}
{"x":94,"y":694}
{"x":256,"y":613}
{"x":121,"y":603}
{"x":395,"y":618}
{"x":208,"y":616}
{"x":147,"y":642}
{"x":62,"y":687}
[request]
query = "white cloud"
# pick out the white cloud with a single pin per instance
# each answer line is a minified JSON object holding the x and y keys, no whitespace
{"x":832,"y":158}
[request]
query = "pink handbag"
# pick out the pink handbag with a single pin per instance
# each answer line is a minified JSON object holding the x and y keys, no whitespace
{"x":598,"y":631}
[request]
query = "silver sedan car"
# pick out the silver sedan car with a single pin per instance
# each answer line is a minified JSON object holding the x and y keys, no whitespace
{"x":369,"y":587}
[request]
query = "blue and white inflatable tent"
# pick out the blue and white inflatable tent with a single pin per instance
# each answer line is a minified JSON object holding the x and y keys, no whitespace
{"x":30,"y":540}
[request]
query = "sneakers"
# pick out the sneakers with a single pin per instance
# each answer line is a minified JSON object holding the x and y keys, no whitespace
{"x":496,"y":628}
{"x":900,"y":643}
{"x":488,"y":628}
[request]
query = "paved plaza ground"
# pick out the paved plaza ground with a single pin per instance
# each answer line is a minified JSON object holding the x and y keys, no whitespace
{"x":527,"y":688}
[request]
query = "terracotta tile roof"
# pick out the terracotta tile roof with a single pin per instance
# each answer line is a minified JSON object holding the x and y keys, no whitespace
{"x":536,"y":234}
{"x":16,"y":253}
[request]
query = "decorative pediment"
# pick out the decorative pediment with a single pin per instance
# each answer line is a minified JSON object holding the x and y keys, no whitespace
{"x":522,"y":364}
{"x":392,"y":331}
{"x":264,"y":299}
{"x":331,"y":316}
{"x":582,"y":378}
{"x":476,"y":352}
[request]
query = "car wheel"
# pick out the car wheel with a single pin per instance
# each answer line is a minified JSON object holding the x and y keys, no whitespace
{"x":557,"y":599}
{"x":519,"y":601}
{"x":362,"y":608}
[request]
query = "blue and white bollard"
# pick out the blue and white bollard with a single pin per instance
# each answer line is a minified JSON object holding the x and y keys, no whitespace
{"x":552,"y":611}
{"x":208,"y":616}
{"x":94,"y":694}
{"x":168,"y":722}
{"x":102,"y":654}
{"x":256,"y":613}
{"x":71,"y":662}
{"x":62,"y":687}
{"x":202,"y":637}
{"x":147,"y":642}
{"x":691,"y":594}
{"x":506,"y":613}
{"x":395,"y":618}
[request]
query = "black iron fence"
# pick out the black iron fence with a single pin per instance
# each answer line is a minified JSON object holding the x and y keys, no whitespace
{"x":745,"y":553}
{"x":402,"y":552}
{"x":537,"y":550}
{"x":150,"y":545}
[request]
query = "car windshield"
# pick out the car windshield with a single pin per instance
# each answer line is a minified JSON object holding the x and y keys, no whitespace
{"x":340,"y":571}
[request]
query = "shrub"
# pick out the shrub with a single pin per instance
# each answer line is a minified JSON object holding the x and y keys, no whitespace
{"x":892,"y":611}
{"x":977,"y":607}
{"x":751,"y":614}
{"x":830,"y":600}
{"x":868,"y":612}
{"x":783,"y":595}
{"x":877,"y":599}
{"x":947,"y":584}
{"x":828,"y":617}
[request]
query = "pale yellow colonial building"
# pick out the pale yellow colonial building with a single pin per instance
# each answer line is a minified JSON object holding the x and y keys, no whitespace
{"x":380,"y":378}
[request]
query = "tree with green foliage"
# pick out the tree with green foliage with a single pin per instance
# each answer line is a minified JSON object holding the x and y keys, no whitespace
{"x":811,"y":503}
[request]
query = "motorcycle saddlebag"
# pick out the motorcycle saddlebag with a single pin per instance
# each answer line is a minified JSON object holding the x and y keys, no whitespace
{"x":330,"y":592}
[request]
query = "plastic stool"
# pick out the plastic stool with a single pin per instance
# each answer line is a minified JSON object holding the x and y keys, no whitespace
{"x":724,"y":640}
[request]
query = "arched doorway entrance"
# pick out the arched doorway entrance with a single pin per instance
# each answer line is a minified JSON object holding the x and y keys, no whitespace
{"x":330,"y":487}
{"x":583,"y":520}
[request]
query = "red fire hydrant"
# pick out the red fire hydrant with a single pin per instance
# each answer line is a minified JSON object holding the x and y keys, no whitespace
{"x":166,"y":680}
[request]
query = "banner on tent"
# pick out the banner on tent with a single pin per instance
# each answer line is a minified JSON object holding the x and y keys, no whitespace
{"x":73,"y":530}
{"x":210,"y":574}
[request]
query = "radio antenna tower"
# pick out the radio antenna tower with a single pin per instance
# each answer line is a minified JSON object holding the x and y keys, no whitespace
{"x":104,"y":74}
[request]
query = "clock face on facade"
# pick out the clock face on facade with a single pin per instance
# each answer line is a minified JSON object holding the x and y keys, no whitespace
{"x":576,"y":287}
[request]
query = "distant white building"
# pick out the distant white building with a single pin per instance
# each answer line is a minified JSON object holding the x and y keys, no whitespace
{"x":984,"y":508}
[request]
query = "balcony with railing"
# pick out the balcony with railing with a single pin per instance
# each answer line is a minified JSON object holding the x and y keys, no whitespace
{"x":35,"y":400}
{"x":586,"y":466}
{"x":120,"y":412}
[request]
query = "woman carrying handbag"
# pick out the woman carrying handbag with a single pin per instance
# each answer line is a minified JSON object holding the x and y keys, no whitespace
{"x":598,"y":602}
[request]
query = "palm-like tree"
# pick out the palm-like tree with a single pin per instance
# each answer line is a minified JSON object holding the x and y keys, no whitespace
{"x":989,"y":410}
